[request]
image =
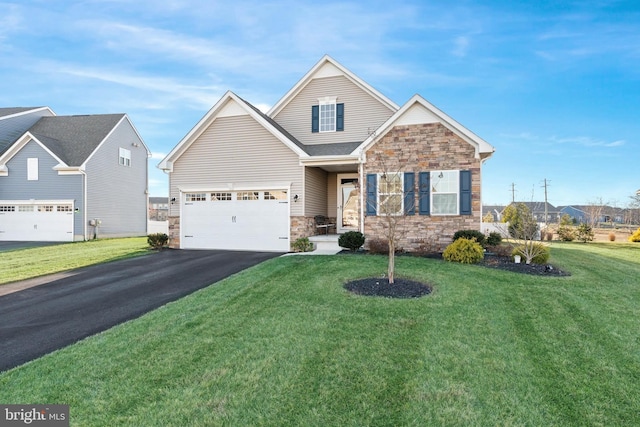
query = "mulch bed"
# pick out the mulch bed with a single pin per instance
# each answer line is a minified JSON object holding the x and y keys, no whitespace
{"x":401,"y":288}
{"x":506,"y":263}
{"x":404,"y":288}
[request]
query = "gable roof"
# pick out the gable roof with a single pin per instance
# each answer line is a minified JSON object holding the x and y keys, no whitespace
{"x":231,"y":104}
{"x":328,"y":67}
{"x":11,"y":111}
{"x":74,"y":138}
{"x":71,"y":140}
{"x":418,"y":111}
{"x":14,"y":122}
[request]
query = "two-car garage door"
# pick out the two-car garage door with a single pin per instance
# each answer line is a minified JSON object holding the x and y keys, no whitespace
{"x":38,"y":220}
{"x":255,"y":220}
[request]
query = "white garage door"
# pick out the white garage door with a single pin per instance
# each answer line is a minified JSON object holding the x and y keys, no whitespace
{"x":39,"y":220}
{"x":236,"y":220}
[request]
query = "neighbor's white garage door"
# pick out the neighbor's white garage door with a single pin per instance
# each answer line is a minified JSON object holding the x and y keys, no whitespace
{"x":39,"y":220}
{"x":236,"y":220}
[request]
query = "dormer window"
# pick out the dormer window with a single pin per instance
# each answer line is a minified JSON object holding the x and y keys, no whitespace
{"x":327,"y":116}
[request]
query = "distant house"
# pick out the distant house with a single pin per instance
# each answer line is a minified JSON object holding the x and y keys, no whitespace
{"x":596,"y":214}
{"x":541,"y":209}
{"x":332,"y":147}
{"x":68,"y":178}
{"x":158,"y":208}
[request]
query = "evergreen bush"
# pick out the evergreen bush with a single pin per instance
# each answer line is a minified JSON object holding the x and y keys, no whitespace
{"x":470,"y":234}
{"x":566,"y":233}
{"x":494,"y":239}
{"x":302,"y":245}
{"x":352,"y":240}
{"x":584,"y":233}
{"x":464,"y":250}
{"x":157,"y":240}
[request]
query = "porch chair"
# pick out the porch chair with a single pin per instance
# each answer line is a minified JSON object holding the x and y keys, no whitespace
{"x":323,"y":222}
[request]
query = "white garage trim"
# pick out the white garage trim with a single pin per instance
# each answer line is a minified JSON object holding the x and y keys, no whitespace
{"x":236,"y":217}
{"x":37,"y":220}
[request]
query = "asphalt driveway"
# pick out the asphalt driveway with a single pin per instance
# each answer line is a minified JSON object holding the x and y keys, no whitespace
{"x":75,"y":305}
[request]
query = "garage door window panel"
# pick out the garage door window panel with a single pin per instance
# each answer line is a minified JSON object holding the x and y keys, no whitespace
{"x":248,"y":195}
{"x":221,"y":197}
{"x":275,"y":195}
{"x":195,"y":197}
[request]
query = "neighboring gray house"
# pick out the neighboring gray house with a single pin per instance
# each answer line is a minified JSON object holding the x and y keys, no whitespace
{"x":69,"y":178}
{"x":332,"y":147}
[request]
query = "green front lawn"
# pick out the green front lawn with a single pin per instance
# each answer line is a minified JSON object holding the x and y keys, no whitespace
{"x":26,"y":263}
{"x":284,"y":344}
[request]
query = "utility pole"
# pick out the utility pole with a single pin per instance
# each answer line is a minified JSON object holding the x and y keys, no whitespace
{"x":546,"y":212}
{"x":513,"y":192}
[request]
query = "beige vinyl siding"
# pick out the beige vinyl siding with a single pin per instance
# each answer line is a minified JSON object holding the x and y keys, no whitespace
{"x":236,"y":150}
{"x":362,"y":112}
{"x":315,"y":188}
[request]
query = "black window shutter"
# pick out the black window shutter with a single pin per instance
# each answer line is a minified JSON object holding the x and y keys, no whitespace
{"x":465,"y":192}
{"x":372,"y":193}
{"x":339,"y":117}
{"x":423,"y":188}
{"x":409,"y":193}
{"x":315,"y":118}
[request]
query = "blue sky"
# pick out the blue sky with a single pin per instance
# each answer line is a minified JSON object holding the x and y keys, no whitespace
{"x":554,"y":86}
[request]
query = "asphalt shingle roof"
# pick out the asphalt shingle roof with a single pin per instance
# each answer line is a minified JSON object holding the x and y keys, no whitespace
{"x":8,"y":111}
{"x":74,"y":138}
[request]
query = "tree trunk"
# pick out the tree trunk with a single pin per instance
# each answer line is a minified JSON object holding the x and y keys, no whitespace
{"x":392,"y":261}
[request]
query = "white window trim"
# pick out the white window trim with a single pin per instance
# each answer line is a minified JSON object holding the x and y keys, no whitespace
{"x":32,"y":169}
{"x":380,"y":208}
{"x":432,"y":179}
{"x":124,"y":158}
{"x":324,"y":102}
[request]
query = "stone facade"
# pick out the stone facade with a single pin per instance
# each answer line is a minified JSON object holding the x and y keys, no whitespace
{"x":302,"y":226}
{"x":423,"y":148}
{"x":174,"y":232}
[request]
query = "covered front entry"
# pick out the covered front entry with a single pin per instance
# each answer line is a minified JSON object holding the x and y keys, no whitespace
{"x":253,"y":220}
{"x":36,"y":220}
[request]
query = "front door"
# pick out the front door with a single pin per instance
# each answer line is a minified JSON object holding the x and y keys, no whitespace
{"x":348,"y":203}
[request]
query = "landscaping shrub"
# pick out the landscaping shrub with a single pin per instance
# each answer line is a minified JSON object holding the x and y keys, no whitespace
{"x":464,"y":250}
{"x":541,"y":252}
{"x":501,"y":250}
{"x":470,"y":234}
{"x":635,"y":237}
{"x":378,"y":246}
{"x":302,"y":245}
{"x":157,"y":240}
{"x":494,"y":239}
{"x":566,"y":233}
{"x":584,"y":233}
{"x":612,"y":237}
{"x":352,"y":240}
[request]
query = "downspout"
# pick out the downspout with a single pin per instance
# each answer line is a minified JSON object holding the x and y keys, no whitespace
{"x":363,"y":187}
{"x":481,"y":193}
{"x":84,"y":203}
